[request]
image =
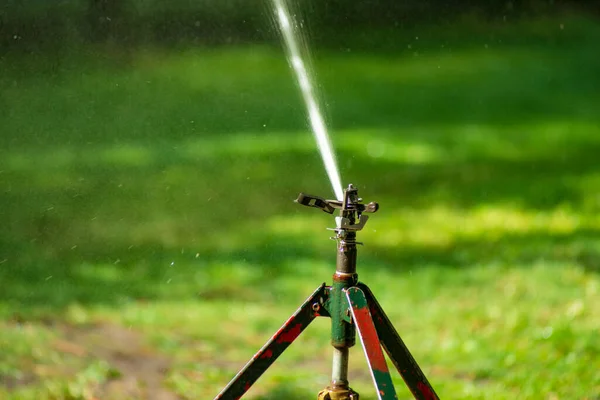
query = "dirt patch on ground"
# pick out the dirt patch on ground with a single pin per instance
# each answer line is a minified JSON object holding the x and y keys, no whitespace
{"x":12,"y":382}
{"x":141,"y":370}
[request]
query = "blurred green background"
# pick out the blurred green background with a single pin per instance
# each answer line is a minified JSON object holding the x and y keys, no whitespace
{"x":150,"y":152}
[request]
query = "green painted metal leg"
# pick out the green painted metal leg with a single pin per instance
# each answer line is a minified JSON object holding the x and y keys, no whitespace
{"x":399,"y":354}
{"x":262,"y":360}
{"x":370,"y":341}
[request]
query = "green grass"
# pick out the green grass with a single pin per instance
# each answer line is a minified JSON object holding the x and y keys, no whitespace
{"x":147,"y":200}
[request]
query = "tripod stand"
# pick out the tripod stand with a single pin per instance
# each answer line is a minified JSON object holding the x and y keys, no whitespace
{"x":353,"y":309}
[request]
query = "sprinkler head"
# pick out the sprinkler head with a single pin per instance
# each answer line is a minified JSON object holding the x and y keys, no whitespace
{"x":351,"y":208}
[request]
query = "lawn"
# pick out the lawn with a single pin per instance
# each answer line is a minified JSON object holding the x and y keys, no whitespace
{"x":149,"y":242}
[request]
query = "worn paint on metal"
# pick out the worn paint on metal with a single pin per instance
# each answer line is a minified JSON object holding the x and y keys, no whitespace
{"x":426,"y":391}
{"x":370,"y":341}
{"x":265,"y":357}
{"x":399,"y":354}
{"x":291,"y":334}
{"x":267,"y":354}
{"x":342,"y":332}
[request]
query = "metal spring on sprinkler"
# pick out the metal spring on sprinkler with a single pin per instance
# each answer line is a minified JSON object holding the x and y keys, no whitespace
{"x":343,"y":239}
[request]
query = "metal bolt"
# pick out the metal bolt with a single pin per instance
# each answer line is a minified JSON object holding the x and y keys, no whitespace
{"x":316,"y":306}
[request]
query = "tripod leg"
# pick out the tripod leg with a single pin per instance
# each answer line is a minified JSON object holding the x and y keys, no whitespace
{"x":398,"y":352}
{"x":368,"y":336}
{"x":275,"y":346}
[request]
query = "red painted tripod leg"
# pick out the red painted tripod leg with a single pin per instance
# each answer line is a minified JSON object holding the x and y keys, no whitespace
{"x":370,"y":342}
{"x":274,"y":347}
{"x":398,"y":352}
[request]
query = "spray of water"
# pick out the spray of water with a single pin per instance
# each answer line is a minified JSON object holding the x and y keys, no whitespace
{"x":289,"y":32}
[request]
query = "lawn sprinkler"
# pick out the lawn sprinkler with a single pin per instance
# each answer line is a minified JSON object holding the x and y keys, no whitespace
{"x":353,"y":309}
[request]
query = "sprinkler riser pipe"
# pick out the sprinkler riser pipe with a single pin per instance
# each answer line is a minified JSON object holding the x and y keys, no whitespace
{"x":346,"y":261}
{"x":343,"y":333}
{"x":339,"y":374}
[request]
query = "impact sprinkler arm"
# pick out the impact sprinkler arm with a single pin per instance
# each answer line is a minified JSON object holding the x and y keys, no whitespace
{"x":351,"y":208}
{"x":350,"y":202}
{"x":353,"y":309}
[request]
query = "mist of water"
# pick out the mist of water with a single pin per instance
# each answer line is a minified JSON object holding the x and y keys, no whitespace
{"x":289,"y":31}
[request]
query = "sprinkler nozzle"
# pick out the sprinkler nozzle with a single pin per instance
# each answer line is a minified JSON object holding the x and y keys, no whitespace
{"x":351,"y":208}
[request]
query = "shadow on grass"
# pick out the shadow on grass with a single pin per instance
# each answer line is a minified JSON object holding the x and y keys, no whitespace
{"x":108,"y":275}
{"x":162,"y":97}
{"x":493,"y":128}
{"x":106,"y":245}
